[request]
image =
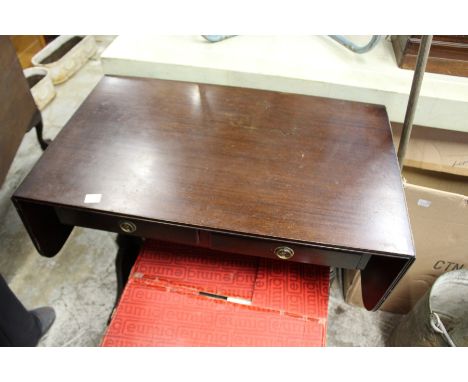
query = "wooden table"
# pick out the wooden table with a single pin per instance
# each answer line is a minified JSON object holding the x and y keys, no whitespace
{"x":255,"y":172}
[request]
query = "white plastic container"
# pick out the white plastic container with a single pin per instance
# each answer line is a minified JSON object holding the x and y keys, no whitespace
{"x":41,"y":86}
{"x":65,"y":55}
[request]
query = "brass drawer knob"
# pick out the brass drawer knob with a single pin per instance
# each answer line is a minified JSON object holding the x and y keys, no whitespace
{"x":127,"y":227}
{"x":284,"y":253}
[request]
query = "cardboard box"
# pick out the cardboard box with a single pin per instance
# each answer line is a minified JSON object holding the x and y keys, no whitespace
{"x":435,"y":149}
{"x":187,"y":296}
{"x":438,"y":210}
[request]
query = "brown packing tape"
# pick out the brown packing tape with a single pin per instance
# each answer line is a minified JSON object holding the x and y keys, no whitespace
{"x":439,"y":221}
{"x":435,"y":149}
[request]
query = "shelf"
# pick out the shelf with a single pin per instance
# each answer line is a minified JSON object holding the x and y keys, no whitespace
{"x":312,"y":65}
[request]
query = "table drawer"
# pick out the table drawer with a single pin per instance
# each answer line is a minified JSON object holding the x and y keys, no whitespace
{"x":288,"y":251}
{"x":124,"y":225}
{"x":246,"y":245}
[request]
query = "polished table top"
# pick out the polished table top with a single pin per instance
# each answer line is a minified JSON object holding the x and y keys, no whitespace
{"x":239,"y":160}
{"x":233,"y":160}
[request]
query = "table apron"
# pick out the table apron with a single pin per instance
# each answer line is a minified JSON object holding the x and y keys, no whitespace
{"x":226,"y":242}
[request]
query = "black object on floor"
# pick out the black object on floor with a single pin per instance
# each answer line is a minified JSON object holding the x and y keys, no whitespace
{"x":46,"y":317}
{"x":18,"y":326}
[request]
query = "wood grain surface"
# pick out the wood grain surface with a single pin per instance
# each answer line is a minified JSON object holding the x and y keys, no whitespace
{"x":17,"y":107}
{"x":260,"y":163}
{"x":448,"y":54}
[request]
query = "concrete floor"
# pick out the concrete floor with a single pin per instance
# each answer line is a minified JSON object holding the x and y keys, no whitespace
{"x":80,"y":282}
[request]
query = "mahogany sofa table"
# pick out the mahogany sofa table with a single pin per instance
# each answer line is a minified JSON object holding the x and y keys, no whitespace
{"x":246,"y":171}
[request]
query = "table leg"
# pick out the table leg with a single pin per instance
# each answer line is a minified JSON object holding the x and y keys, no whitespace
{"x":42,"y":142}
{"x":129,"y":248}
{"x":36,"y":122}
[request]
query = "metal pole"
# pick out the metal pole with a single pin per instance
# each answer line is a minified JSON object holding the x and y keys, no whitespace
{"x":423,"y":54}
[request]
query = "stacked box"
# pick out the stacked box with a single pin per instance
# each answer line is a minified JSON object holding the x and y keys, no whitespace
{"x":186,"y":296}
